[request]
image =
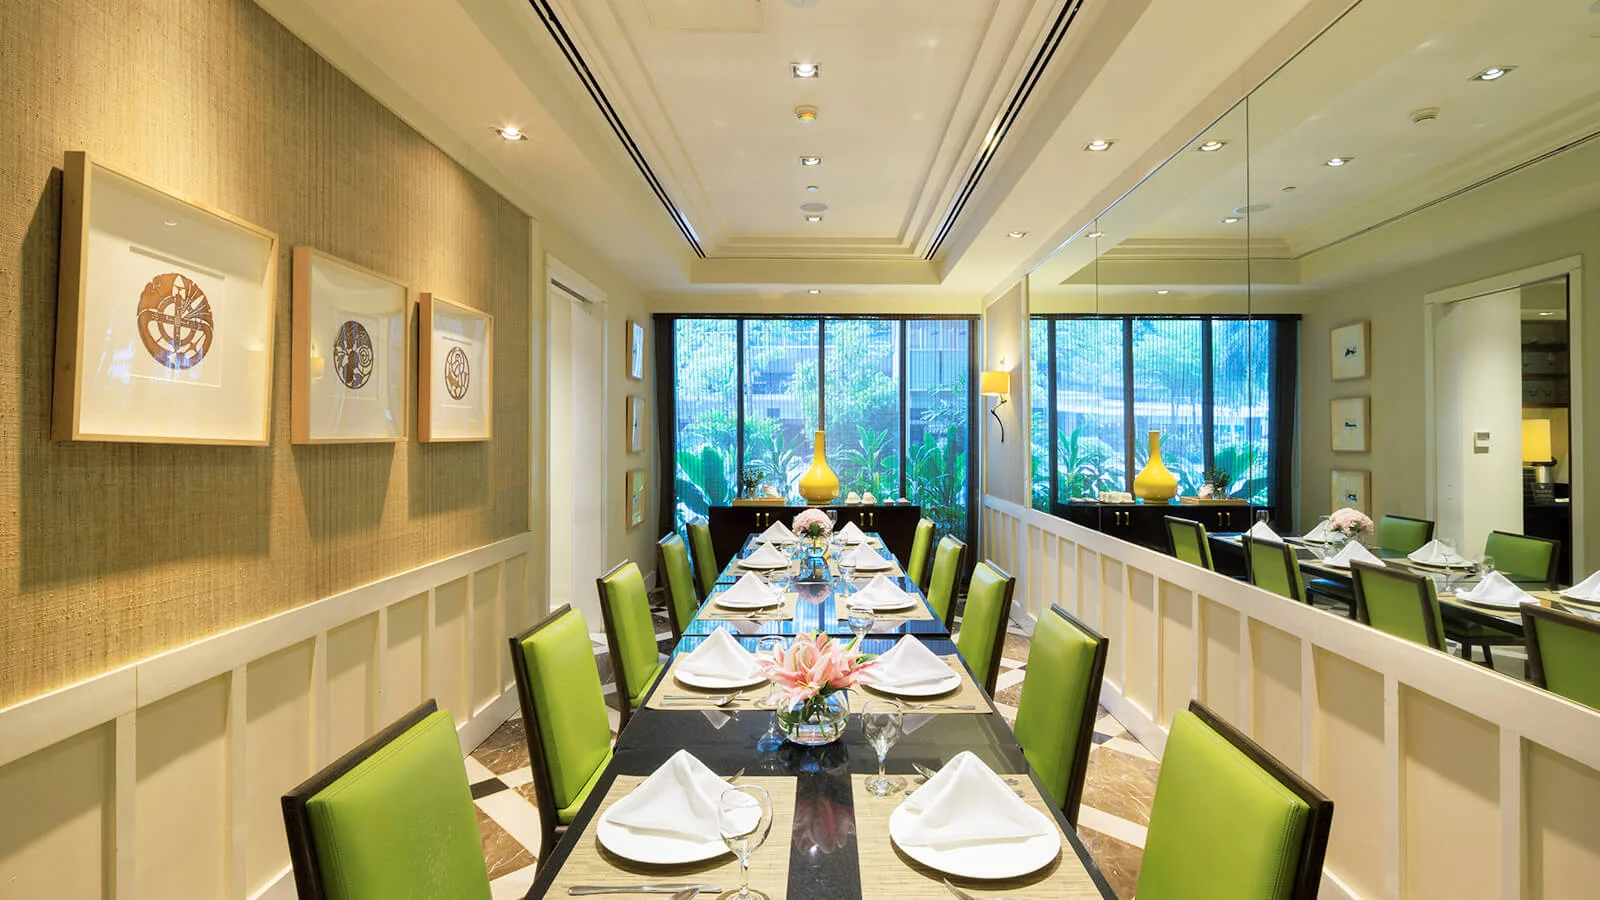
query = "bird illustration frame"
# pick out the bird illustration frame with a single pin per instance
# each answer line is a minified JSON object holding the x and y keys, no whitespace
{"x":634,"y":411}
{"x":636,"y":350}
{"x":1350,"y":487}
{"x":1349,"y":420}
{"x":455,"y":369}
{"x":1349,"y":356}
{"x":634,"y":498}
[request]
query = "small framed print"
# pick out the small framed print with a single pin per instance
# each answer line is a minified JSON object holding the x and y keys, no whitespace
{"x":635,"y":498}
{"x":1349,"y":348}
{"x":164,"y":324}
{"x":350,"y":364}
{"x":455,"y":385}
{"x":1349,"y":418}
{"x":635,"y":350}
{"x":1351,"y":488}
{"x":635,"y":412}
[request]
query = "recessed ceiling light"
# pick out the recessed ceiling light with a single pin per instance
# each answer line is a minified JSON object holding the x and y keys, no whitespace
{"x":1163,"y":291}
{"x":1211,"y":146}
{"x":1016,"y":234}
{"x":811,"y":188}
{"x":805,"y":113}
{"x":810,"y":160}
{"x":171,"y":223}
{"x":814,"y":291}
{"x":805,"y":70}
{"x":1493,"y":73}
{"x":1096,"y":234}
{"x":1097,"y":145}
{"x":511,"y":133}
{"x":1229,"y":220}
{"x":813,"y":218}
{"x":1338,"y":161}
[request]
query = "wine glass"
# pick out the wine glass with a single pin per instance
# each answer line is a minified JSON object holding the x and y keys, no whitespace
{"x":860,"y":619}
{"x":768,"y":648}
{"x":744,"y":818}
{"x":883,"y":723}
{"x":1262,"y":516}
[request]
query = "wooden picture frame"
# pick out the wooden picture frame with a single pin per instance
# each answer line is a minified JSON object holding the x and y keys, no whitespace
{"x":635,"y":423}
{"x":140,"y":354}
{"x":455,"y":371}
{"x":634,"y":498}
{"x":1349,"y":354}
{"x":1352,"y":488}
{"x":338,"y":393}
{"x":635,"y":350}
{"x":1349,"y":418}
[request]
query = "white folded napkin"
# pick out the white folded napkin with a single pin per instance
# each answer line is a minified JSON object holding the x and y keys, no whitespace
{"x":850,"y":534}
{"x":1496,"y":590}
{"x":865,"y":559}
{"x":1352,"y":552}
{"x":908,"y":664}
{"x":679,"y":800}
{"x":747,"y":593}
{"x":765,"y":556}
{"x":720,"y":656}
{"x":1261,"y":532}
{"x":1320,"y":534}
{"x":1433,"y":553}
{"x":777,"y":533}
{"x":966,"y":805}
{"x":1587,"y":590}
{"x":881,"y":593}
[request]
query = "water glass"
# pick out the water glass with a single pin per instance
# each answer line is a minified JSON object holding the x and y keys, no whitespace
{"x":1262,"y":516}
{"x":744,"y":818}
{"x":1485,"y":565}
{"x":883,"y":722}
{"x":860,"y":619}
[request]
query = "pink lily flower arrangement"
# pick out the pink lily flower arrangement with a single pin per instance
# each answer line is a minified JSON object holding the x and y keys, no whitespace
{"x":814,"y":666}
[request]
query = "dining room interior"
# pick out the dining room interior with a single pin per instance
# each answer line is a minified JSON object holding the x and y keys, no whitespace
{"x":762,"y":449}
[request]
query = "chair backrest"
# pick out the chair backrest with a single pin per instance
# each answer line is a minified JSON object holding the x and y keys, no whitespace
{"x":392,"y":818}
{"x":1273,"y":566}
{"x":1056,"y":710}
{"x":683,"y":598}
{"x":705,"y":557}
{"x":1229,"y":820}
{"x":921,"y":549}
{"x":563,"y":715}
{"x":1563,"y":653}
{"x":1189,"y":543}
{"x":630,"y":633}
{"x":948,"y":560}
{"x":983,"y":622}
{"x":1398,"y":603}
{"x":1399,"y":534}
{"x":1522,"y":557}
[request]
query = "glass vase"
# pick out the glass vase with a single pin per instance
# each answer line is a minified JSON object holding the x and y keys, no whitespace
{"x":820,"y":720}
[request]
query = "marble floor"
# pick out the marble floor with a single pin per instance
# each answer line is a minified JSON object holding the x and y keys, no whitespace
{"x":1116,"y":799}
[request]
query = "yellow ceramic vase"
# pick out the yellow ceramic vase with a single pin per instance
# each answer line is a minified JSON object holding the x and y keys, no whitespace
{"x":1155,"y":483}
{"x":819,"y":485}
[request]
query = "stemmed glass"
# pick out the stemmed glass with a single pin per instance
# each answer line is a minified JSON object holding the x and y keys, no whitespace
{"x":883,"y":723}
{"x":744,"y":818}
{"x":860,"y":619}
{"x":769,"y":648}
{"x":1452,"y":574}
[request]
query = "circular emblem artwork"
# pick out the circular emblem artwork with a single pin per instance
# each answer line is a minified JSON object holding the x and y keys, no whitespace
{"x":457,"y":374}
{"x":352,"y":355}
{"x":174,"y":319}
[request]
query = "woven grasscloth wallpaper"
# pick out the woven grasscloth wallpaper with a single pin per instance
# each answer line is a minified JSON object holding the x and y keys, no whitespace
{"x":112,"y":552}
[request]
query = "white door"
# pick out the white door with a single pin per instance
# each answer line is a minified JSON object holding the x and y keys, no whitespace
{"x":576,"y":441}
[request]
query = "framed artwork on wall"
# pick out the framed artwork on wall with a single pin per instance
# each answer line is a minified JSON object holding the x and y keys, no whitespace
{"x":1348,"y":419}
{"x":350,"y":364}
{"x":1351,"y":487}
{"x":635,"y":497}
{"x":455,"y":369}
{"x":1348,"y":346}
{"x":635,"y":350}
{"x":635,"y":412}
{"x":164,"y":322}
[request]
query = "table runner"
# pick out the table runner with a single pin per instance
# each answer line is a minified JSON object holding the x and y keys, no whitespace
{"x":891,"y":873}
{"x":589,"y":863}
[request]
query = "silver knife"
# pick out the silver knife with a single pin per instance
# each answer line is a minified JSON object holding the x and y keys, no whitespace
{"x":582,"y":890}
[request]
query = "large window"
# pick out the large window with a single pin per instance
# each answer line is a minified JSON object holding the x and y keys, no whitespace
{"x":1215,"y":387}
{"x":893,"y":395}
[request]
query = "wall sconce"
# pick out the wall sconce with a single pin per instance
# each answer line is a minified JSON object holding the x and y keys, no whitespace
{"x":996,"y":384}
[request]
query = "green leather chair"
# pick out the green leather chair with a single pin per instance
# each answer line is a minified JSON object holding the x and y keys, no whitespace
{"x":705,"y":558}
{"x":1273,"y":566}
{"x":983,"y":622}
{"x":1398,"y":603}
{"x":949,"y":558}
{"x":1521,"y":557}
{"x":683,"y":599}
{"x":921,"y":548}
{"x":1395,"y":534}
{"x":392,"y":818}
{"x":1229,"y":821}
{"x":1056,"y":711}
{"x":1563,"y":653}
{"x":1189,"y":542}
{"x":630,"y":634}
{"x":563,"y":716}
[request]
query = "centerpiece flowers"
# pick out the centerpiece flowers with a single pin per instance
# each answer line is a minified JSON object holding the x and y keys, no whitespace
{"x":1350,"y":523}
{"x":814,"y":675}
{"x":812,"y":525}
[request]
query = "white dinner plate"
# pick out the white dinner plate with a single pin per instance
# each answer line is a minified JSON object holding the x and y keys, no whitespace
{"x":655,"y":849}
{"x":943,"y":686}
{"x":985,"y":861}
{"x":1443,"y":567}
{"x":882,"y":565}
{"x":908,"y":603}
{"x":1491,"y":604}
{"x":760,"y":568}
{"x":718,"y":600}
{"x":714,"y":682}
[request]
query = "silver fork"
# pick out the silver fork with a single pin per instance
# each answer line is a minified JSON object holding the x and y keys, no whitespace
{"x":913,"y":707}
{"x":689,"y":699}
{"x":966,"y":896}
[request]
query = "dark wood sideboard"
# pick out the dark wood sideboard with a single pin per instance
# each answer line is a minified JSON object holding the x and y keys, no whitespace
{"x":1145,"y":524}
{"x":730,"y":525}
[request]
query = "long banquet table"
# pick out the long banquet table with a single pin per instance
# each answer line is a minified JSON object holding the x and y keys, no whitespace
{"x":835,"y":851}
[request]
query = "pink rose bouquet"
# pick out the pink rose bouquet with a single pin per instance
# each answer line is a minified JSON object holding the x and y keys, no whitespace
{"x":1350,"y":522}
{"x":813,"y":667}
{"x":812,"y":523}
